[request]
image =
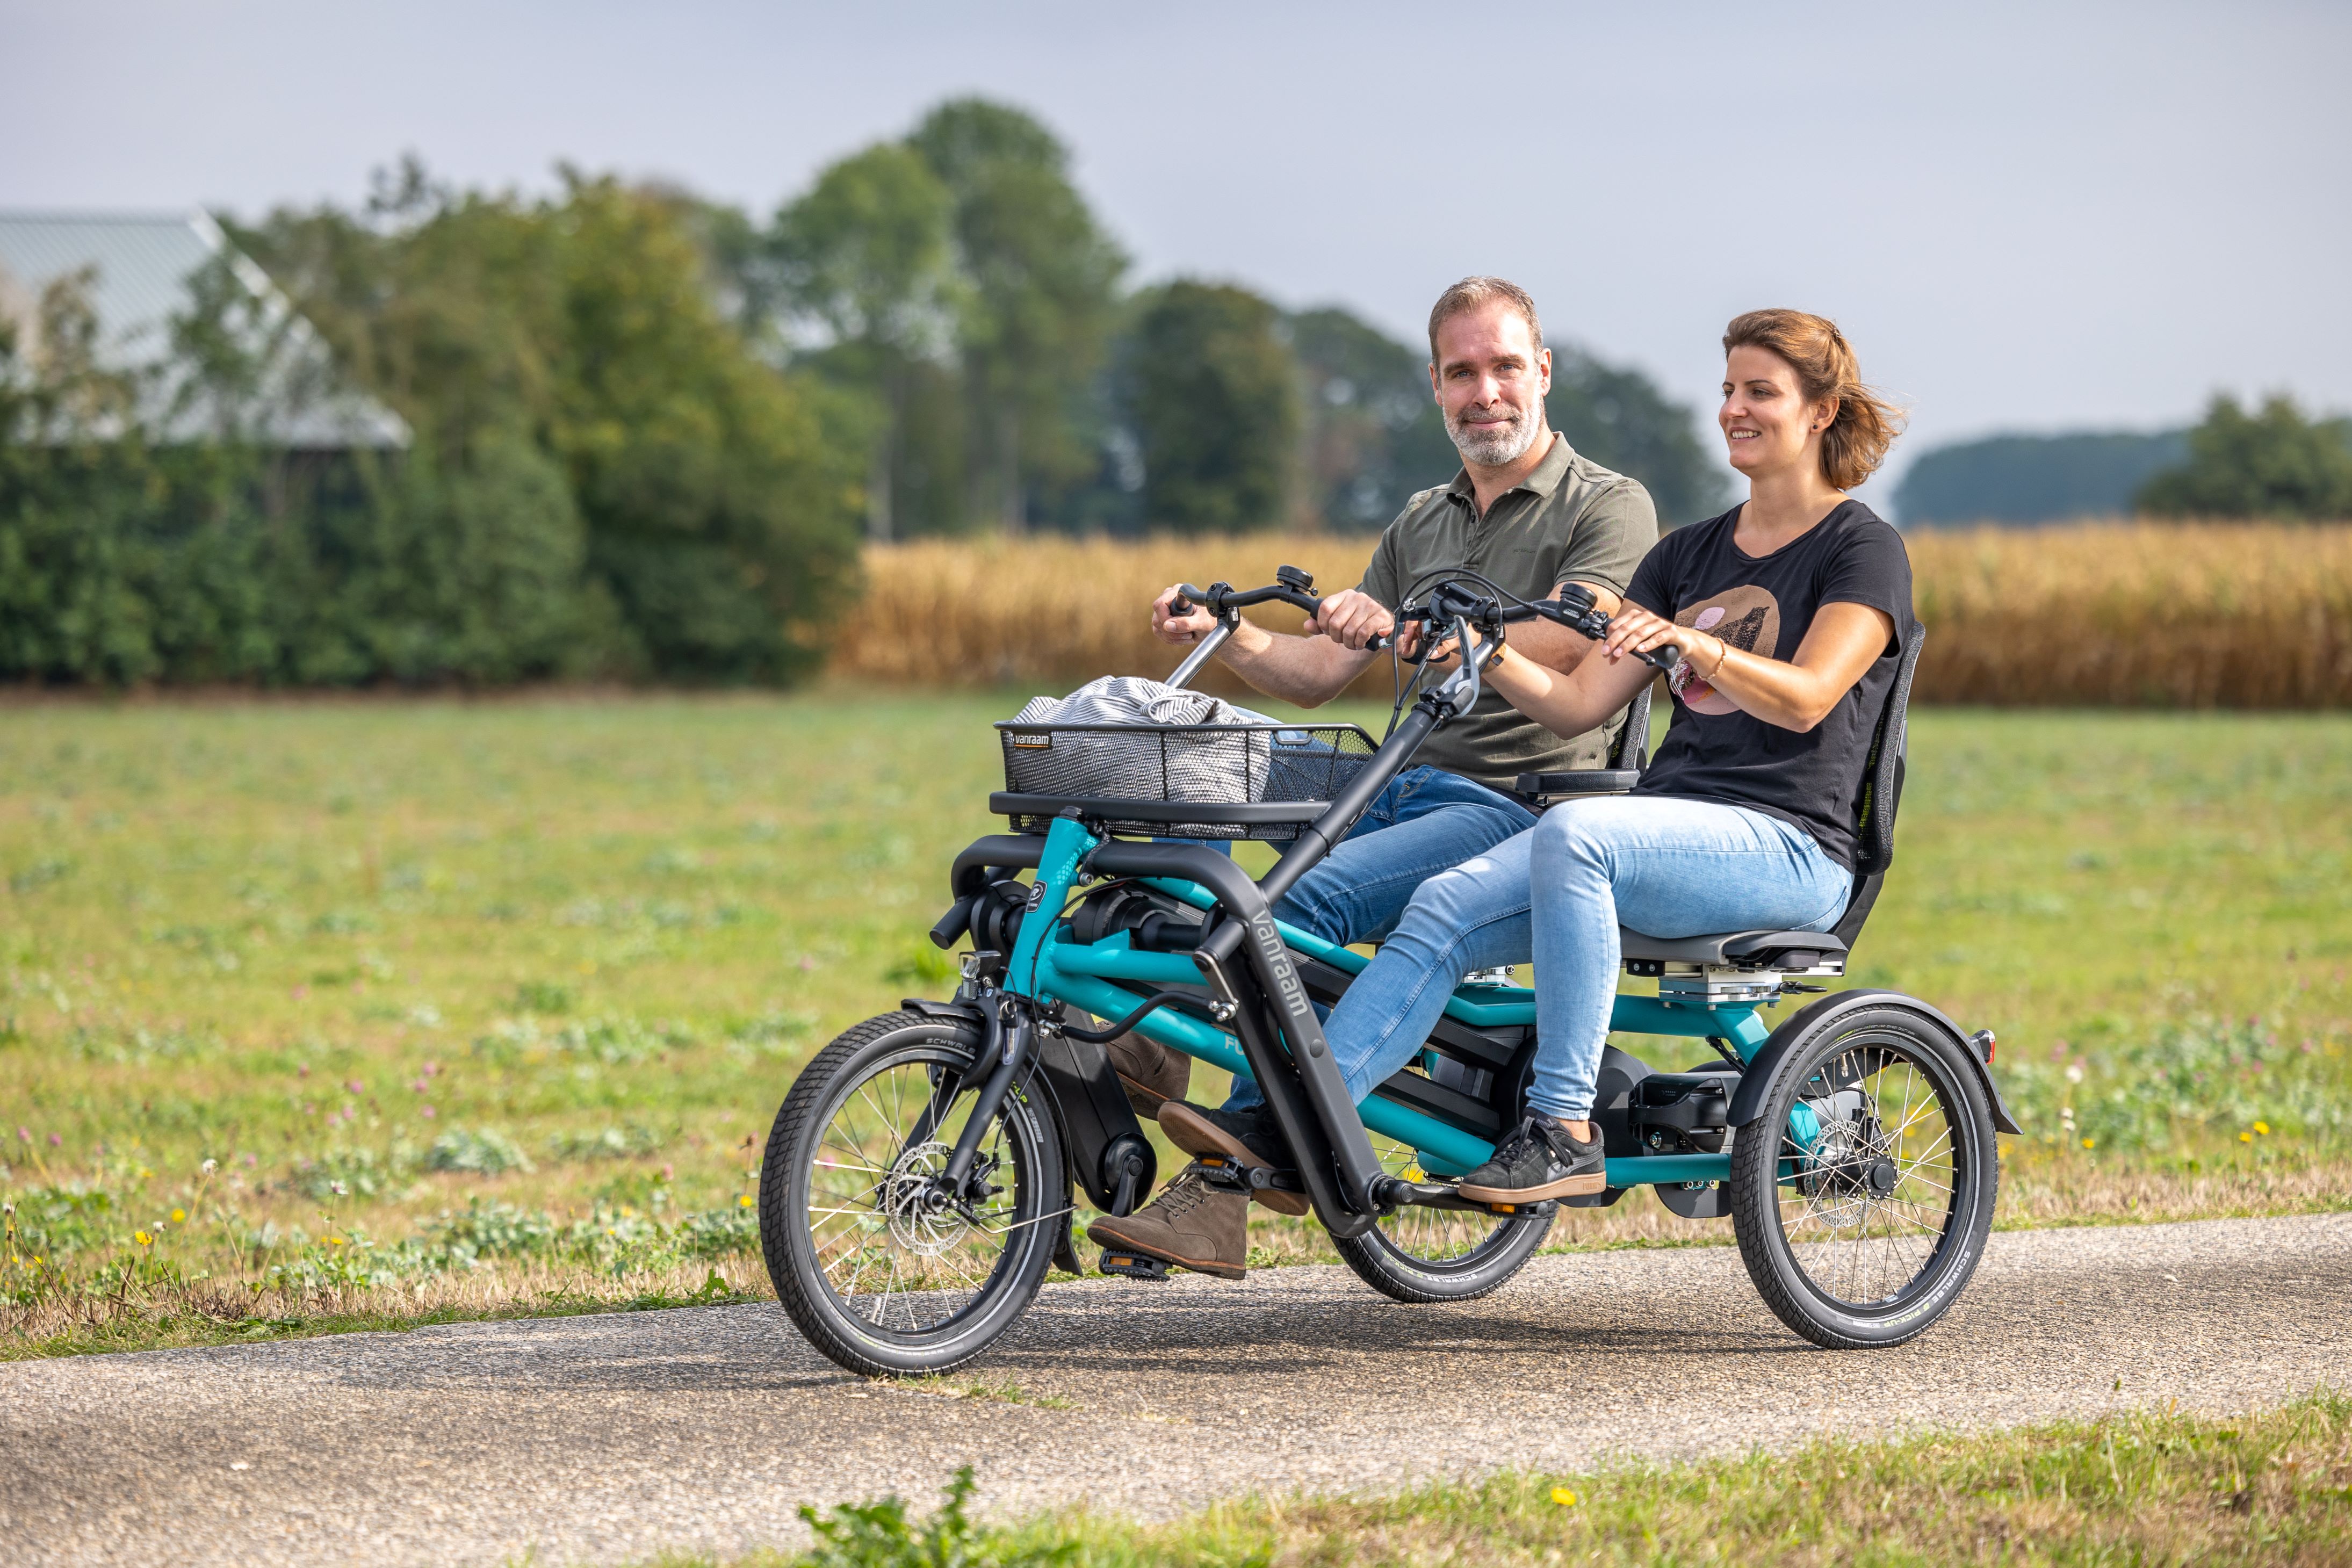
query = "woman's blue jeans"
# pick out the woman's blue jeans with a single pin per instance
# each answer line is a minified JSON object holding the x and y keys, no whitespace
{"x":1426,"y":822}
{"x":1557,"y":893}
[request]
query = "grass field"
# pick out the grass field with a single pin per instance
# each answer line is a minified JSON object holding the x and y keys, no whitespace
{"x":323,"y":1014}
{"x":2274,"y":1487}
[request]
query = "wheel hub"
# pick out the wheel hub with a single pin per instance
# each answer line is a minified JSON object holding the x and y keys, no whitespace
{"x":922,"y":1214}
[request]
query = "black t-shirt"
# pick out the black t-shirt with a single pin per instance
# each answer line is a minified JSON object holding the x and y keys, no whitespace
{"x":1698,"y":576}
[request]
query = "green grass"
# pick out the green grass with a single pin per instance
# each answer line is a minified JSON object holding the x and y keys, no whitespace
{"x":475,"y":1006}
{"x":2271,"y":1487}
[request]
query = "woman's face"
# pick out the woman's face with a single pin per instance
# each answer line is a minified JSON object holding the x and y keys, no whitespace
{"x":1768,"y":426}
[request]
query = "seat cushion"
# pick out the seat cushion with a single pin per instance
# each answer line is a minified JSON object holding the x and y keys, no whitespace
{"x":1780,"y":947}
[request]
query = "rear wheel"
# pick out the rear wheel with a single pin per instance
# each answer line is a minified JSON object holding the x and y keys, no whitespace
{"x":1864,"y":1194}
{"x":1438,"y":1254}
{"x":882,"y":1275}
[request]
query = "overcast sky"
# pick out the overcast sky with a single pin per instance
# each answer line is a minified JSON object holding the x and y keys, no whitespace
{"x":2030,"y":217}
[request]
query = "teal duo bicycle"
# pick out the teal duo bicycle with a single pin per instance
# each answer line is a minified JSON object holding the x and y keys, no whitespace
{"x":920,"y":1178}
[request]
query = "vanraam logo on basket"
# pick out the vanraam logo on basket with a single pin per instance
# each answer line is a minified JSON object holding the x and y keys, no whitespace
{"x":1034,"y":740}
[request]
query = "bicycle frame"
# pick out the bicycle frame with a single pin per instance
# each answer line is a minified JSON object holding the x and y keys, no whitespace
{"x":1055,"y":967}
{"x":1252,"y":963}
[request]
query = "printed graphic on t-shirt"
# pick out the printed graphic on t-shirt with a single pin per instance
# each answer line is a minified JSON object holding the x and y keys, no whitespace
{"x":1747,"y":618}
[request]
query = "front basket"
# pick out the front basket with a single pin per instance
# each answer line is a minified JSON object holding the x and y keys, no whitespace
{"x":1181,"y":780}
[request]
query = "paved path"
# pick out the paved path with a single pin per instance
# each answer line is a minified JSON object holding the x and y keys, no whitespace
{"x":611,"y":1438}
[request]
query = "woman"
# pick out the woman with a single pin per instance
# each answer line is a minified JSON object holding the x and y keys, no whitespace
{"x":1790,"y":611}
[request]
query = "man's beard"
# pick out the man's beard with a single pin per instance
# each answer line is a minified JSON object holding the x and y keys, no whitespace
{"x":1496,"y":448}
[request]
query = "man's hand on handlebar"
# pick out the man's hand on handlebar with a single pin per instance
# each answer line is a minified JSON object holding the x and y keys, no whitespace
{"x":1351,"y":619}
{"x":1184,"y":629}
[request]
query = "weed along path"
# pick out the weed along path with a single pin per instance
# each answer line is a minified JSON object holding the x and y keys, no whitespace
{"x":611,"y":1438}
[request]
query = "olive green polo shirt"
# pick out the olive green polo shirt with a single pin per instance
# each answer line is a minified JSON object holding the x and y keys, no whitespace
{"x":1571,"y":520}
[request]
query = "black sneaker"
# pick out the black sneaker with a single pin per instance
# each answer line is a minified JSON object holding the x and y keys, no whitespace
{"x":1250,"y":1136}
{"x":1538,"y":1160}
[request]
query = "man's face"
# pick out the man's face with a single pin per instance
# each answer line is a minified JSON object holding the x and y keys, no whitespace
{"x":1491,"y":380}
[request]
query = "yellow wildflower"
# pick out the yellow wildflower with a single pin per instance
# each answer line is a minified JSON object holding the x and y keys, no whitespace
{"x":2090,"y":1142}
{"x":142,"y":1238}
{"x":1562,"y":1496}
{"x":179,"y":1216}
{"x":2263,"y":1128}
{"x":744,"y":1201}
{"x":2245,"y":1137}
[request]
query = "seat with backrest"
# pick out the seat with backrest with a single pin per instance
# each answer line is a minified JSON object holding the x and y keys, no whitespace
{"x":1819,"y":952}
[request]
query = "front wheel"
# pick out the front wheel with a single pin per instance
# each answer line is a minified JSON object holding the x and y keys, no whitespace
{"x":1418,"y":1255}
{"x":1864,"y":1194}
{"x":882,"y":1276}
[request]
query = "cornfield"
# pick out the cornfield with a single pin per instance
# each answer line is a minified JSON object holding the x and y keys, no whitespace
{"x":2212,"y":615}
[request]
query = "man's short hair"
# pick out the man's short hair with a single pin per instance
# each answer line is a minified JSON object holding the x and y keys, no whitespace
{"x":1472,"y":293}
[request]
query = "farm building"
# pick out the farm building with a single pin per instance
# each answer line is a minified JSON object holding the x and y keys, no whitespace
{"x":138,"y":273}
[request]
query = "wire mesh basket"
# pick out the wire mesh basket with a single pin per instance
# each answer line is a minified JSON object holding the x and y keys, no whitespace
{"x":1250,"y":771}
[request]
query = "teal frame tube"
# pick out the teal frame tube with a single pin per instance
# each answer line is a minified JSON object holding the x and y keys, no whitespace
{"x":1082,"y":976}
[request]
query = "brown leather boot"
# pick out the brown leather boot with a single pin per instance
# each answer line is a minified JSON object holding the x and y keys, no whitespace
{"x":1150,"y":1073}
{"x":1190,"y":1224}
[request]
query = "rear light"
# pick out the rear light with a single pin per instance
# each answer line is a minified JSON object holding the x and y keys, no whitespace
{"x":1984,"y":1042}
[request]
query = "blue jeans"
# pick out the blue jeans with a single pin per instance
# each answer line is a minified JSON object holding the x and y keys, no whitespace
{"x":1426,"y":822}
{"x":1557,"y":893}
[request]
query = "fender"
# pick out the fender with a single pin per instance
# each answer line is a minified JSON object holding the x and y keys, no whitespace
{"x":1748,"y":1101}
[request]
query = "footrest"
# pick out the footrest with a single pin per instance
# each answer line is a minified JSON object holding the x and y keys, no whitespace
{"x":1133,"y":1265}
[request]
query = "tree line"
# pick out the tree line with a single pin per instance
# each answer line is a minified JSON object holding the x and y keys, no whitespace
{"x":954,"y":284}
{"x":650,"y":432}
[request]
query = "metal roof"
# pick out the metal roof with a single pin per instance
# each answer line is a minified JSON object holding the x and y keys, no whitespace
{"x":141,"y":264}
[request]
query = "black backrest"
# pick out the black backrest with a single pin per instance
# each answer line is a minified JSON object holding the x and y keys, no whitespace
{"x":1632,"y":747}
{"x":1882,"y":793}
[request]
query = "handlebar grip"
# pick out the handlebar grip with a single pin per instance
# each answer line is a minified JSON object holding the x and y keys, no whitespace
{"x":1665,"y":656}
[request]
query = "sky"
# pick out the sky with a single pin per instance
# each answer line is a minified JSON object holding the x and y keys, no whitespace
{"x":2028,"y":218}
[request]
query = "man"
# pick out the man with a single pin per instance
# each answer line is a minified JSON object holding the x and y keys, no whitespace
{"x":1529,"y":513}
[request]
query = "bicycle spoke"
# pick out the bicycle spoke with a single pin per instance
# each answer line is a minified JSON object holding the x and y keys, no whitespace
{"x":884,"y":1251}
{"x":1880,"y":1114}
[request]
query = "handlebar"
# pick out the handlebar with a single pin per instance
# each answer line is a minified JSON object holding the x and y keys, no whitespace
{"x":1450,"y":601}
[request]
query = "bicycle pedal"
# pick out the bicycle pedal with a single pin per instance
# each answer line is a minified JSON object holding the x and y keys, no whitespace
{"x":1227,"y":1175}
{"x":1133,"y":1266}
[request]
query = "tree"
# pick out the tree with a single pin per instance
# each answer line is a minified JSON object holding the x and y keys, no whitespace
{"x":2273,"y":463}
{"x":2033,"y":478}
{"x":1043,"y":282}
{"x":1372,"y":433}
{"x":585,"y":410}
{"x":1216,"y":408}
{"x":865,"y":255}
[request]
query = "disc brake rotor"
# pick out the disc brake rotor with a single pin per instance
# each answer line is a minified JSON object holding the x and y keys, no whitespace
{"x":906,"y":1198}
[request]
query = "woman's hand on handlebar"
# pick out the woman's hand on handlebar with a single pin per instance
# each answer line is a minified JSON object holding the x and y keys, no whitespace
{"x":1351,"y":619}
{"x":1184,"y":628}
{"x":1634,"y":630}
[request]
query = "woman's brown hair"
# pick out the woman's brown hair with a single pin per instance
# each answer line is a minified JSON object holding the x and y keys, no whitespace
{"x":1865,"y":425}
